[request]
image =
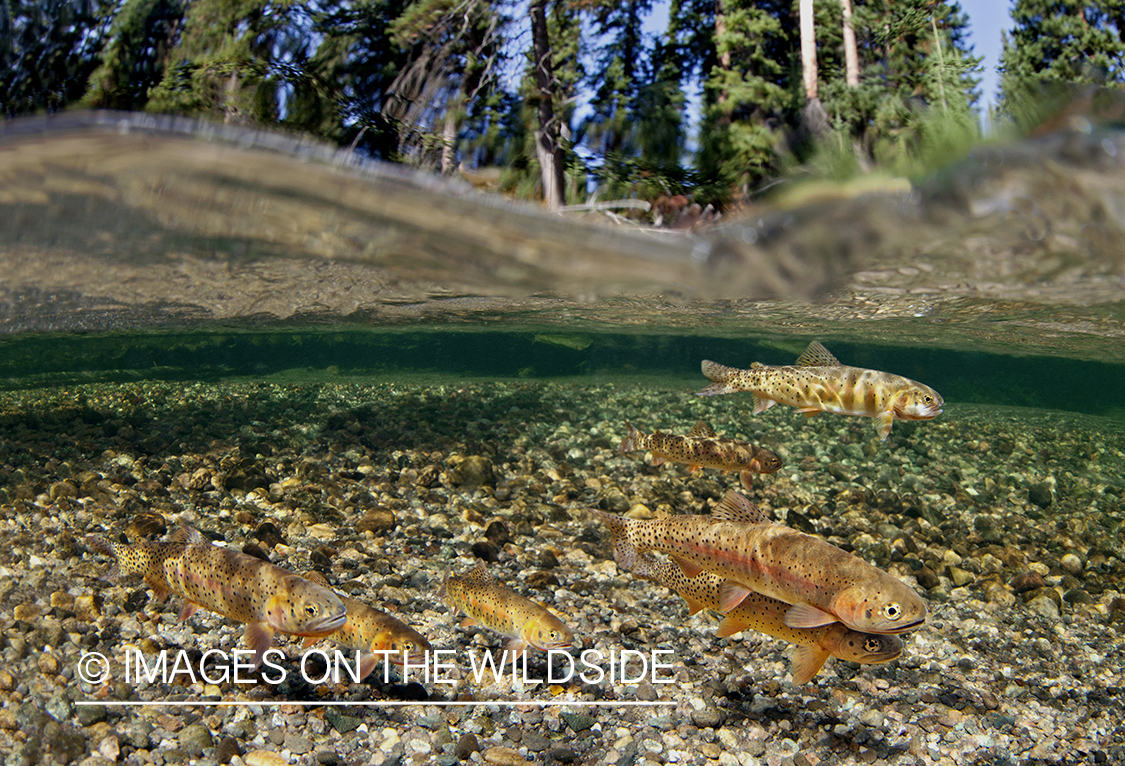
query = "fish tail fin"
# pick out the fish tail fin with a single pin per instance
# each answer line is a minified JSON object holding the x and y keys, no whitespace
{"x":623,"y":551}
{"x":101,"y":545}
{"x":807,"y":662}
{"x":629,"y":443}
{"x":720,"y":374}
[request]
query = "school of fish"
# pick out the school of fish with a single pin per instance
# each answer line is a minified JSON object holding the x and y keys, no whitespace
{"x":229,"y":583}
{"x":760,"y":575}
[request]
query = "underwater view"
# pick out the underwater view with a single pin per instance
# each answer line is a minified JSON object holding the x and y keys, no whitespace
{"x":306,"y":459}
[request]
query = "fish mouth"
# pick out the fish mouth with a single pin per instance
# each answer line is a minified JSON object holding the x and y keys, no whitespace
{"x":322,"y":626}
{"x":904,"y":628}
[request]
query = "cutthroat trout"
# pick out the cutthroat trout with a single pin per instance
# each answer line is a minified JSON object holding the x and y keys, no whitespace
{"x":739,"y":543}
{"x":767,"y":615}
{"x":375,"y":633}
{"x":819,"y":383}
{"x":701,"y":448}
{"x":229,"y":583}
{"x":490,"y":604}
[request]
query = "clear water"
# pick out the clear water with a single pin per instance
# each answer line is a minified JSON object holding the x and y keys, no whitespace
{"x":136,"y":249}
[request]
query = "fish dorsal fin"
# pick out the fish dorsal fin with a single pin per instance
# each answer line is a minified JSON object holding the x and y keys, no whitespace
{"x":816,"y":355}
{"x":478,"y":575}
{"x":735,"y":507}
{"x":317,"y":578}
{"x":188,"y":535}
{"x":701,"y":430}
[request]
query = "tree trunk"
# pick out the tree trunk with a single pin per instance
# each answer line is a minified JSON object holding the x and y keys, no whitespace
{"x":547,"y":148}
{"x":851,"y":55}
{"x":808,"y":49}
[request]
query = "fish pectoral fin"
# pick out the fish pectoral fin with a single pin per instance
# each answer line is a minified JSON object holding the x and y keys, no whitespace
{"x":694,"y":467}
{"x":694,"y":607}
{"x":309,"y":641}
{"x":259,"y":638}
{"x":729,"y":626}
{"x":761,"y":404}
{"x":516,"y":649}
{"x":804,"y":615}
{"x":807,"y":662}
{"x":187,"y":611}
{"x":689,"y":568}
{"x":747,"y":479}
{"x":367,"y":663}
{"x":731,"y":594}
{"x":883,"y":422}
{"x":469,"y":622}
{"x":657,"y":460}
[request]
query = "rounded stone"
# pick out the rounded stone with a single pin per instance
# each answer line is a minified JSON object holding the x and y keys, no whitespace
{"x":1071,"y":564}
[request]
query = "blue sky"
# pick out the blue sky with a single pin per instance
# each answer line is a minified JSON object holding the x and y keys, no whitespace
{"x":987,"y":19}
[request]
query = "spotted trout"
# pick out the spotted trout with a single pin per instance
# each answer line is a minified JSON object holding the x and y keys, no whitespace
{"x":230,"y":583}
{"x":374,"y":633}
{"x":823,"y":583}
{"x":767,"y":615}
{"x":701,"y":448}
{"x":819,"y":383}
{"x":491,"y":605}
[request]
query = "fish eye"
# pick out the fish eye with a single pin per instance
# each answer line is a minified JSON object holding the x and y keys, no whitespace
{"x":871,"y":645}
{"x":892,"y":611}
{"x":311,"y":610}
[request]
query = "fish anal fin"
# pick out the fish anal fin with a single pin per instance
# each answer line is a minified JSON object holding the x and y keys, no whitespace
{"x":259,"y":638}
{"x":810,"y":412}
{"x":694,"y":467}
{"x":735,"y":507}
{"x":701,"y":430}
{"x":804,"y":615}
{"x":657,"y":460}
{"x":729,"y":626}
{"x":816,"y":355}
{"x":807,"y":662}
{"x":187,"y":611}
{"x":694,"y":607}
{"x":761,"y":404}
{"x":883,"y":423}
{"x":469,"y":622}
{"x":689,"y":568}
{"x":731,"y":594}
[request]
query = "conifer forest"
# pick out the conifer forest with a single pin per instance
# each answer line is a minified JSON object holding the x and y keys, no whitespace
{"x":564,"y":100}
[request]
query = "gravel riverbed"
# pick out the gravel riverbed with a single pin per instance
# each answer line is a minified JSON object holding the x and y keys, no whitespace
{"x":1008,"y":522}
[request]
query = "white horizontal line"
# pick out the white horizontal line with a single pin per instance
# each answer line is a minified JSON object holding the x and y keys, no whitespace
{"x":381,"y":703}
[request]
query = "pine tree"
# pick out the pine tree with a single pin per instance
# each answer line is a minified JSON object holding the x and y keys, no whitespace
{"x":1060,"y":41}
{"x":141,"y":38}
{"x":746,"y":95}
{"x":47,"y":50}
